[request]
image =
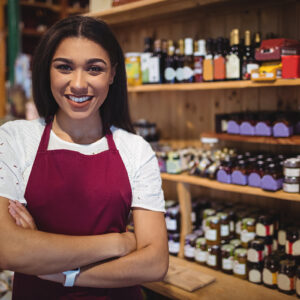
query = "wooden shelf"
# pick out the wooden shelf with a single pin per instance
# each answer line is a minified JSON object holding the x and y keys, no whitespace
{"x":213,"y":184}
{"x":32,"y":32}
{"x":293,"y":140}
{"x":72,"y":10}
{"x":225,"y":287}
{"x":55,"y":8}
{"x":242,"y":84}
{"x":146,"y":9}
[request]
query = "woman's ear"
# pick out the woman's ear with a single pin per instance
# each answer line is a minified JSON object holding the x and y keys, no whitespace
{"x":112,"y":74}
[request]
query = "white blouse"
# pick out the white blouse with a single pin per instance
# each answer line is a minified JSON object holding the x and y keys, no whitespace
{"x":19,"y":141}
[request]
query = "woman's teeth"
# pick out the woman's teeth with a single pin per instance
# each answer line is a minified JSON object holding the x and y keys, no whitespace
{"x":80,"y":99}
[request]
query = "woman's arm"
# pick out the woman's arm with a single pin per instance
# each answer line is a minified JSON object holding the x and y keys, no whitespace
{"x":35,"y":252}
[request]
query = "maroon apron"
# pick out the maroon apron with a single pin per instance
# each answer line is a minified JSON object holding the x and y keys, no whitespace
{"x":76,"y":194}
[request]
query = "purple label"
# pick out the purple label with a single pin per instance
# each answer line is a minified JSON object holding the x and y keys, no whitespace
{"x":237,"y":177}
{"x":222,"y":176}
{"x":271,"y":184}
{"x":281,"y":130}
{"x":254,"y":180}
{"x":233,"y":127}
{"x":247,"y":129}
{"x":263,"y":129}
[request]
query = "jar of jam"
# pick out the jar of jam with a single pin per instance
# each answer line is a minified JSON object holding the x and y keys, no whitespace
{"x":270,"y":270}
{"x":213,"y":256}
{"x":227,"y":251}
{"x":231,"y":217}
{"x":212,"y":233}
{"x":291,"y":167}
{"x":172,"y":219}
{"x":286,"y":277}
{"x":248,"y":231}
{"x":265,"y":226}
{"x":208,"y":212}
{"x":292,"y":245}
{"x":291,"y":184}
{"x":255,"y":252}
{"x":189,"y":247}
{"x":268,"y":242}
{"x":240,"y":263}
{"x":224,"y":226}
{"x":255,"y":272}
{"x":236,"y":243}
{"x":173,"y":163}
{"x":174,"y":243}
{"x":201,"y":251}
{"x":273,"y":178}
{"x":240,"y":215}
{"x":298,"y":282}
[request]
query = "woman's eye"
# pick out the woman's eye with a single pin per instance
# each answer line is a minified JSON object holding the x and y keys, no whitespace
{"x":64,"y":67}
{"x":95,"y":69}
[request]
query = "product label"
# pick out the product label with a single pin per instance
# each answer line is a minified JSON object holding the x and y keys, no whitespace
{"x":188,"y":74}
{"x":292,"y":248}
{"x":154,"y":71}
{"x":208,"y":69}
{"x":238,"y":268}
{"x":247,"y":236}
{"x":254,"y":276}
{"x":189,"y":251}
{"x":268,"y":249}
{"x":227,"y":263}
{"x":291,"y":172}
{"x":200,"y":255}
{"x":232,"y":67}
{"x":174,"y":247}
{"x":231,"y":226}
{"x":254,"y":256}
{"x":281,"y":237}
{"x":170,"y":74}
{"x":171,"y":224}
{"x":251,"y":67}
{"x":145,"y":63}
{"x":238,"y":227}
{"x":212,"y":260}
{"x":285,"y":283}
{"x":268,"y":277}
{"x":211,"y":234}
{"x":262,"y":230}
{"x":291,"y":187}
{"x":179,"y":74}
{"x":224,"y":230}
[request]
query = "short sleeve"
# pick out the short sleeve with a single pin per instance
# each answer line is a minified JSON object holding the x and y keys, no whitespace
{"x":11,"y":179}
{"x":147,"y":185}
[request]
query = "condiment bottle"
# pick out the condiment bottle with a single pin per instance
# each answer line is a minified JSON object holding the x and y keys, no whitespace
{"x":219,"y":61}
{"x":234,"y":57}
{"x":170,"y":69}
{"x":255,"y":252}
{"x":240,"y":263}
{"x":179,"y":61}
{"x":213,"y":256}
{"x":212,"y":233}
{"x":208,"y":63}
{"x":291,"y":184}
{"x":189,"y":247}
{"x":255,"y":272}
{"x":286,"y":277}
{"x":174,"y":243}
{"x":198,"y":61}
{"x":227,"y":251}
{"x":201,"y":251}
{"x":248,"y":231}
{"x":188,"y":72}
{"x":271,"y":267}
{"x":224,"y":226}
{"x":265,"y":226}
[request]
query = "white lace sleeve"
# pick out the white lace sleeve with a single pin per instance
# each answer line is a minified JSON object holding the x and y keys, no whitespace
{"x":147,"y":191}
{"x":11,"y":179}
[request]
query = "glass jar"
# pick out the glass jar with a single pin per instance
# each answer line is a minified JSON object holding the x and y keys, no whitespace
{"x":208,"y":212}
{"x":265,"y":226}
{"x":189,"y":247}
{"x":255,"y":272}
{"x":213,"y":256}
{"x":236,"y":243}
{"x":227,"y":258}
{"x":255,"y":253}
{"x":298,"y":282}
{"x":268,"y":242}
{"x":201,"y":251}
{"x":212,"y":233}
{"x":173,"y":164}
{"x":231,"y":217}
{"x":224,"y":226}
{"x":133,"y":68}
{"x":240,"y":263}
{"x":240,"y":215}
{"x":291,"y":184}
{"x":292,"y":245}
{"x":270,"y":270}
{"x":291,"y":167}
{"x":174,"y":243}
{"x":248,"y":231}
{"x":172,"y":219}
{"x":286,"y":277}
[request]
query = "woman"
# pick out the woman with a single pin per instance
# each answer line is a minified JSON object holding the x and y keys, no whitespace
{"x":79,"y":169}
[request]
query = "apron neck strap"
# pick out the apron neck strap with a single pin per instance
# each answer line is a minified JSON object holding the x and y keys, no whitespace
{"x":110,"y":140}
{"x":45,"y":138}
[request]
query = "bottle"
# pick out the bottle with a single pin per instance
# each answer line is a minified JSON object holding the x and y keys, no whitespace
{"x":234,"y":57}
{"x":219,"y":61}
{"x":249,"y":62}
{"x":145,"y":59}
{"x":164,"y":50}
{"x":188,"y":72}
{"x":208,"y":64}
{"x":256,"y":41}
{"x":199,"y":56}
{"x":169,"y":72}
{"x":155,"y":71}
{"x":179,"y":61}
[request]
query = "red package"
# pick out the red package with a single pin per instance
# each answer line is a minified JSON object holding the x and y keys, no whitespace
{"x":290,"y":66}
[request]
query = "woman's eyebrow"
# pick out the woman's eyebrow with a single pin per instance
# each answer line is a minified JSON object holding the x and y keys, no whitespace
{"x":68,"y":61}
{"x":89,"y":61}
{"x":94,"y":60}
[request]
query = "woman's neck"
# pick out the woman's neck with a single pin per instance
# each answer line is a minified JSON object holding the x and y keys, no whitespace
{"x":78,"y":131}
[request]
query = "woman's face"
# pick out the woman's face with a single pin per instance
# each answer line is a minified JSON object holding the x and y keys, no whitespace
{"x":80,"y":75}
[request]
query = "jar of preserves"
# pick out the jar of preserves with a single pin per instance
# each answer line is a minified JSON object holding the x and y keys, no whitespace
{"x":162,"y":161}
{"x":236,"y":243}
{"x":189,"y":246}
{"x":212,"y":233}
{"x":298,"y":282}
{"x":268,"y":242}
{"x":265,"y":226}
{"x":231,"y":217}
{"x":208,"y":212}
{"x":173,"y":164}
{"x":172,"y":219}
{"x":201,"y":251}
{"x":240,"y":215}
{"x":273,"y":178}
{"x":240,"y":263}
{"x":255,"y":272}
{"x":174,"y":243}
{"x":227,"y":258}
{"x":270,"y":270}
{"x":281,"y":236}
{"x":213,"y":256}
{"x":286,"y":277}
{"x":291,"y":167}
{"x":291,"y":184}
{"x":255,"y":253}
{"x":292,"y":245}
{"x":224,"y":226}
{"x":248,"y":231}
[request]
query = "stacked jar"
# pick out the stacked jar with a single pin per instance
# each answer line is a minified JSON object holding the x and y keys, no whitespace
{"x":291,"y":172}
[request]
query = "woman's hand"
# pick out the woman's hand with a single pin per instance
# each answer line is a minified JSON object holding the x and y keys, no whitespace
{"x":21,"y":215}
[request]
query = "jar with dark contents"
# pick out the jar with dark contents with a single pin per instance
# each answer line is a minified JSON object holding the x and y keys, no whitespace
{"x":212,"y":233}
{"x":213,"y":256}
{"x":240,"y":263}
{"x":227,"y":251}
{"x":255,"y":272}
{"x":298,"y":282}
{"x":201,"y":251}
{"x":270,"y":270}
{"x":255,"y":253}
{"x":286,"y":277}
{"x":189,"y":247}
{"x":291,"y":184}
{"x":265,"y":226}
{"x":291,"y":167}
{"x":174,"y":243}
{"x":273,"y":178}
{"x":248,"y":231}
{"x":292,"y":245}
{"x":224,"y":226}
{"x":172,"y":219}
{"x":268,"y":242}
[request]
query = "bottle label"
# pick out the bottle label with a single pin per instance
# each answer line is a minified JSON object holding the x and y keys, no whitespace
{"x":170,"y":74}
{"x":211,"y":234}
{"x":154,"y":71}
{"x":291,"y":187}
{"x":238,"y":225}
{"x":292,"y":248}
{"x":269,"y":278}
{"x":171,"y":224}
{"x":254,"y":255}
{"x":291,"y":172}
{"x":227,"y":263}
{"x":233,"y":67}
{"x":189,"y":251}
{"x":255,"y":276}
{"x":174,"y":247}
{"x":188,"y":74}
{"x":225,"y":230}
{"x":212,"y":260}
{"x":145,"y":63}
{"x":247,"y":236}
{"x":224,"y":126}
{"x":264,"y":230}
{"x":219,"y":68}
{"x":281,"y":237}
{"x":285,"y":283}
{"x":200,"y":255}
{"x":238,"y":268}
{"x":179,"y":74}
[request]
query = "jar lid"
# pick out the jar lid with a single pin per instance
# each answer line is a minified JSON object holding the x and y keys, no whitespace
{"x":248,"y":221}
{"x":293,"y":231}
{"x":292,"y":163}
{"x":190,"y":237}
{"x":174,"y":237}
{"x":257,"y":244}
{"x":240,"y":252}
{"x":222,"y":215}
{"x":213,"y":220}
{"x":236,"y":243}
{"x":291,"y":179}
{"x":208,"y":212}
{"x":228,"y":248}
{"x":265,"y":219}
{"x":200,"y":242}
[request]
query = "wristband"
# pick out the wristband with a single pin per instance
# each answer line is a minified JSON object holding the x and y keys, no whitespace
{"x":70,"y":277}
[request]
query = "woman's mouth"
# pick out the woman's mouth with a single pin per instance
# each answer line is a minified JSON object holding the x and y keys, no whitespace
{"x":79,"y":99}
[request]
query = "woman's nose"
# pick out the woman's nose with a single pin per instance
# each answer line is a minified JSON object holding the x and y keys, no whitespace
{"x":78,"y":82}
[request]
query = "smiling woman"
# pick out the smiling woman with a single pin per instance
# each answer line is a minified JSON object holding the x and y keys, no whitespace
{"x":79,"y":170}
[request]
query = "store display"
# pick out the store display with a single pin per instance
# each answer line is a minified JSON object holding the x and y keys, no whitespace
{"x":255,"y":272}
{"x":286,"y":277}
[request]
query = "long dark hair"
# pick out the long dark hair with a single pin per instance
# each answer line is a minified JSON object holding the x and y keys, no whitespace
{"x":114,"y":110}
